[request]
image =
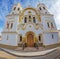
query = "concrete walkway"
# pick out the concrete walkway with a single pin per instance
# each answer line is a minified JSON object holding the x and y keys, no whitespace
{"x":28,"y":54}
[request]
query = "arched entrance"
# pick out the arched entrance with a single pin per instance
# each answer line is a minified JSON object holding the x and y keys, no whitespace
{"x":30,"y":39}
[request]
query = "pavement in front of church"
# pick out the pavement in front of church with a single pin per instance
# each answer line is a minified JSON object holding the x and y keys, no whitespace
{"x":30,"y":49}
{"x":53,"y":55}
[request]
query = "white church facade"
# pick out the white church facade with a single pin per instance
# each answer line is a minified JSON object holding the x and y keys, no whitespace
{"x":29,"y":26}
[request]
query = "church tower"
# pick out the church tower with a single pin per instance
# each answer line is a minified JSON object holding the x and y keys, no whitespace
{"x":9,"y":33}
{"x":49,"y":26}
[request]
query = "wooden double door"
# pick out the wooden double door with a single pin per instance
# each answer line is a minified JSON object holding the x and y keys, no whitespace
{"x":30,"y":40}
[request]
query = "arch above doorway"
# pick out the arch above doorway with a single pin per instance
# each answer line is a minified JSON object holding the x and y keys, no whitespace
{"x":33,"y":9}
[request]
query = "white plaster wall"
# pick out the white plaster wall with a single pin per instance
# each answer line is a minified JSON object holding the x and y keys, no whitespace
{"x":32,"y":28}
{"x":48,"y":38}
{"x":45,"y":19}
{"x":11,"y":19}
{"x":12,"y":39}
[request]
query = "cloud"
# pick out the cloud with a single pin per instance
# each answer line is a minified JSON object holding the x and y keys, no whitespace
{"x":55,"y":9}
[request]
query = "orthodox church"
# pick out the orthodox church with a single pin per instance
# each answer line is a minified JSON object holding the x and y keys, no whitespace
{"x":29,"y":26}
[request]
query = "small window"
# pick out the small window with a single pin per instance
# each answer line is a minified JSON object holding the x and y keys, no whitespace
{"x":29,"y":20}
{"x":52,"y":25}
{"x":39,"y":38}
{"x":7,"y":25}
{"x":52,"y":36}
{"x":48,"y":25}
{"x":25,"y":20}
{"x":43,"y":7}
{"x":18,"y":9}
{"x":12,"y":12}
{"x":20,"y":38}
{"x":7,"y":37}
{"x":11,"y":25}
{"x":29,"y":11}
{"x":14,"y":8}
{"x":29,"y":17}
{"x":40,"y":8}
{"x":45,"y":12}
{"x":34,"y":20}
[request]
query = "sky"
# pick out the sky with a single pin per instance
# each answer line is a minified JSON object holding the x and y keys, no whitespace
{"x":52,"y":5}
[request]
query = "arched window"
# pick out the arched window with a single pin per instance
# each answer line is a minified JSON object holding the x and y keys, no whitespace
{"x":34,"y":20}
{"x":44,"y":8}
{"x":25,"y":20}
{"x":20,"y":37}
{"x":14,"y":8}
{"x":29,"y":17}
{"x":52,"y":25}
{"x":39,"y":37}
{"x":52,"y":36}
{"x":40,"y":8}
{"x":7,"y":25}
{"x":11,"y":25}
{"x":18,"y":9}
{"x":48,"y":25}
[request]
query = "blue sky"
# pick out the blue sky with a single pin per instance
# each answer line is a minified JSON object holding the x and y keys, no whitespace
{"x":6,"y":5}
